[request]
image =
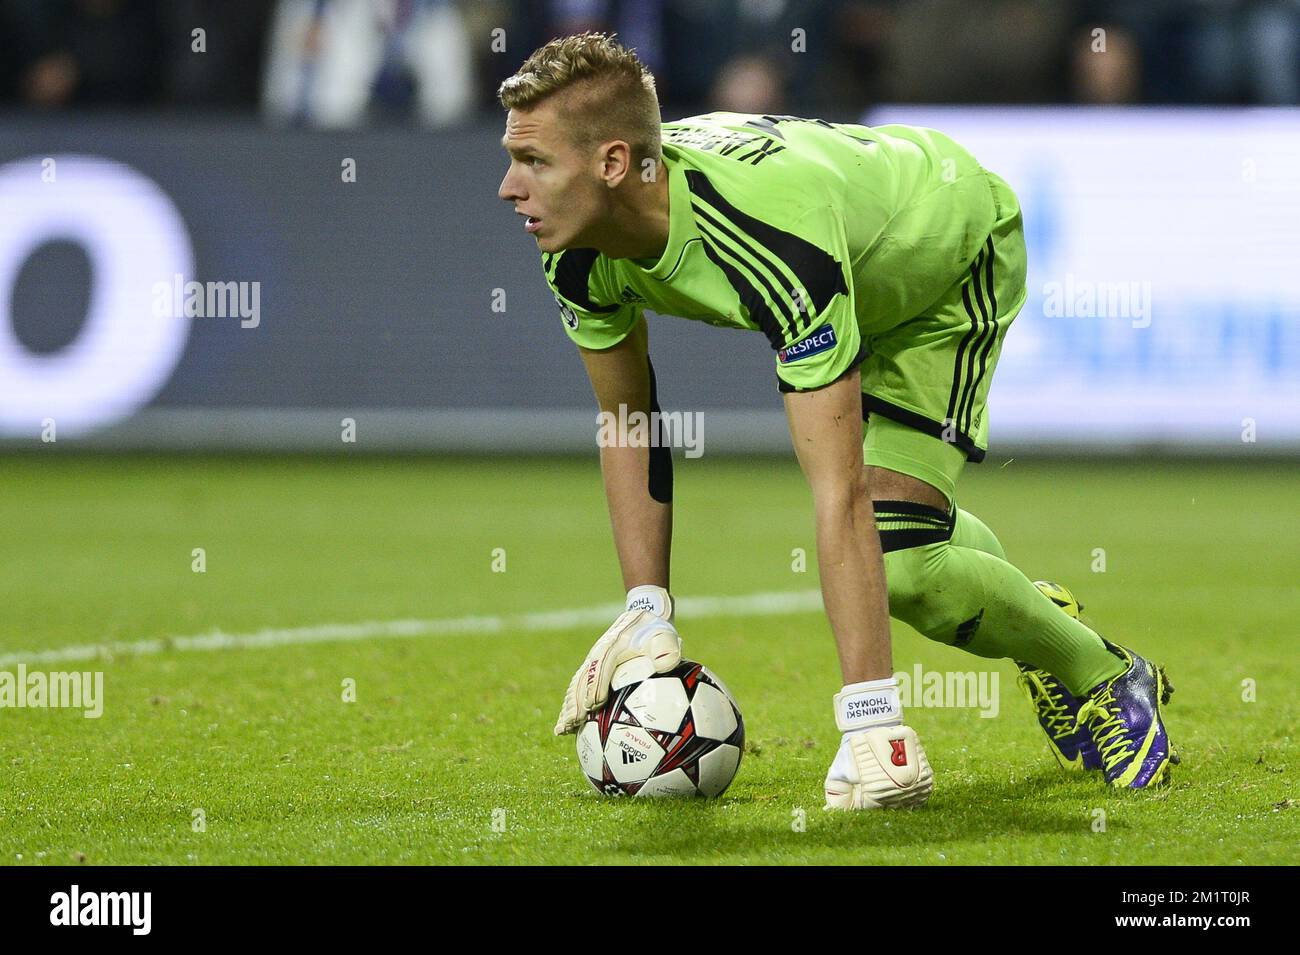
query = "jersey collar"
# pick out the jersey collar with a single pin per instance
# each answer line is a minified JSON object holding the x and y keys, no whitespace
{"x":681,"y":224}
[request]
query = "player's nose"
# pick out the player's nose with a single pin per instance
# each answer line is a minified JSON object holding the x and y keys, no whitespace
{"x":509,"y":191}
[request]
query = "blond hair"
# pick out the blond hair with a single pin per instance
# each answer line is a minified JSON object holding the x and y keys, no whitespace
{"x":602,"y":90}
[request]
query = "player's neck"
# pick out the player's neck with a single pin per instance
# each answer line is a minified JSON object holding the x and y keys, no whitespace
{"x":638,"y":225}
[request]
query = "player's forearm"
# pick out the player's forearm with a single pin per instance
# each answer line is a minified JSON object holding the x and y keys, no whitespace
{"x":638,"y":479}
{"x":853,"y":588}
{"x":642,"y":525}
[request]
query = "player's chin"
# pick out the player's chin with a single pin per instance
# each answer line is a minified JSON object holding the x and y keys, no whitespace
{"x":550,"y":242}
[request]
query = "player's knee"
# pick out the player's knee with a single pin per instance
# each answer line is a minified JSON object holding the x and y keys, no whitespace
{"x":916,"y":540}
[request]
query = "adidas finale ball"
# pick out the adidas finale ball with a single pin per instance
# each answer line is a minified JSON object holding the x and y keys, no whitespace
{"x":663,"y":734}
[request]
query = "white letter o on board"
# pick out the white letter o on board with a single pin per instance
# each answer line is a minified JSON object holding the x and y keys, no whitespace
{"x":134,"y":237}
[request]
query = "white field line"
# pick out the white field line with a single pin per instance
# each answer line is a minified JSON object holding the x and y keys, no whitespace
{"x":748,"y":605}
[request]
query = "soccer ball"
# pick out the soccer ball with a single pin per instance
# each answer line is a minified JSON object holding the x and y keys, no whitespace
{"x":663,"y":734}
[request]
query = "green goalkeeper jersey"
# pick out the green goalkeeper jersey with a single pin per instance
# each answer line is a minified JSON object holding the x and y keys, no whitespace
{"x":820,"y":235}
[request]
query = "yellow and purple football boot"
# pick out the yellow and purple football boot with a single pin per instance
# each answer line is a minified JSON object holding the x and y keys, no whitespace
{"x":1122,"y":715}
{"x":1056,"y":707}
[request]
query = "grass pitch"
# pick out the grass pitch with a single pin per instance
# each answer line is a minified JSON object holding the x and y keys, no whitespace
{"x":251,"y":755}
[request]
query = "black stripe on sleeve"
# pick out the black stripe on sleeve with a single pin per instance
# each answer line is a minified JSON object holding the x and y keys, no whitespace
{"x":819,"y":273}
{"x":750,"y":297}
{"x":572,"y":278}
{"x":774,"y":296}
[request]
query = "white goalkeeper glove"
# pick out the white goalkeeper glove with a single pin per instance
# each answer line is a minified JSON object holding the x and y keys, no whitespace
{"x":644,"y":629}
{"x":880,"y":763}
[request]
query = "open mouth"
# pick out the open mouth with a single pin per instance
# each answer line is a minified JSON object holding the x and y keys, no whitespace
{"x":531,"y":224}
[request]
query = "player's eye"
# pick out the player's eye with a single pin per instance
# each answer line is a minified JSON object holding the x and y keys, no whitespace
{"x":535,"y":162}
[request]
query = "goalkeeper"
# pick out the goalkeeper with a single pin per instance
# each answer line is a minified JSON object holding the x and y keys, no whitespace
{"x":884,"y":266}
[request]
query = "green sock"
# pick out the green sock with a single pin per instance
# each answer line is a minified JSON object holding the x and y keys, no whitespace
{"x":952,"y":583}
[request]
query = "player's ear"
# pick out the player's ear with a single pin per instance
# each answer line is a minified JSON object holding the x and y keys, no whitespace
{"x":616,"y":162}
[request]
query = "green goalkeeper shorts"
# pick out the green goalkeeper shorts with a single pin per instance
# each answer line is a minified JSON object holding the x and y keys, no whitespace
{"x":925,"y":382}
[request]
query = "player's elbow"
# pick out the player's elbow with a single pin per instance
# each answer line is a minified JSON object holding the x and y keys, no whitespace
{"x":842,"y":500}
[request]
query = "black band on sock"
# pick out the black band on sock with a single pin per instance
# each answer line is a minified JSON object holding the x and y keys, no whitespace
{"x":910,"y":508}
{"x":901,"y":540}
{"x":904,"y":524}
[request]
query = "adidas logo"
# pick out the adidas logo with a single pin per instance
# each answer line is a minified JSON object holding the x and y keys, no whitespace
{"x":631,"y":755}
{"x":628,"y":296}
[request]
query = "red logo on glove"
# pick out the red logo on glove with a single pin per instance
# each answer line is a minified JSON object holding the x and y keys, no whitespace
{"x":899,"y":756}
